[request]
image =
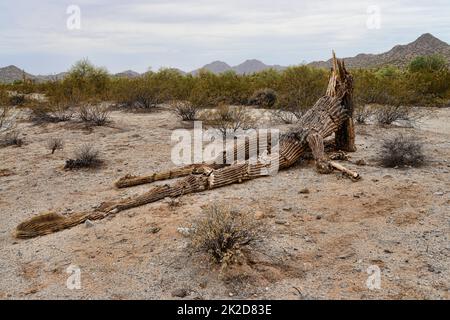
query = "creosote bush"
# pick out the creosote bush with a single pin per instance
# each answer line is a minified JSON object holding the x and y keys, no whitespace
{"x":11,"y":138}
{"x":264,"y":98}
{"x":400,"y":151}
{"x":229,"y":120}
{"x":86,"y":156}
{"x":362,"y":113}
{"x":185,"y":110}
{"x":50,"y":113}
{"x":222,"y":233}
{"x":97,"y":114}
{"x":387,"y":114}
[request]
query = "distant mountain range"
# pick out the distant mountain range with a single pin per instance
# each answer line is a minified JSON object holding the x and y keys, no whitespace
{"x":247,"y":67}
{"x":399,"y":55}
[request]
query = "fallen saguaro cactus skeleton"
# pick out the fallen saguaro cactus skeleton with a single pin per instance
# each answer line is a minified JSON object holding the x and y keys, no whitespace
{"x":332,"y":114}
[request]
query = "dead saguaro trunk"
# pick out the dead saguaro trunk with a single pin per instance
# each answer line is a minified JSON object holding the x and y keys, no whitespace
{"x":332,"y":114}
{"x":342,"y":82}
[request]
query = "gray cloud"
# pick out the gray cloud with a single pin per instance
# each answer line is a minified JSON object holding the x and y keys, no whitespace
{"x":189,"y":33}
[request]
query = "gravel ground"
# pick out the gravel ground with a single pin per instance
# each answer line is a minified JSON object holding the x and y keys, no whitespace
{"x":318,"y":244}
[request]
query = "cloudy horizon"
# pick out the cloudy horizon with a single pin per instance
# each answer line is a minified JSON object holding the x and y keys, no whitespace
{"x":188,"y":34}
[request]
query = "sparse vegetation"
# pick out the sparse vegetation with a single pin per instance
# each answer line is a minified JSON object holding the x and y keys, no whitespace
{"x":264,"y":98}
{"x":17,"y":99}
{"x":11,"y":138}
{"x":86,"y":156}
{"x":97,"y":114}
{"x":50,"y":113}
{"x":222,"y":233}
{"x":54,"y":144}
{"x":386,"y":114}
{"x":362,"y":113}
{"x":228,"y":120}
{"x":185,"y":110}
{"x":400,"y":151}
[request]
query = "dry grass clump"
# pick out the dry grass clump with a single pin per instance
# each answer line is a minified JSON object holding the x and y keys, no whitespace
{"x":85,"y":157}
{"x":401,"y":151}
{"x":54,"y":144}
{"x":264,"y":98}
{"x":97,"y":115}
{"x":185,"y":110}
{"x":223,"y":233}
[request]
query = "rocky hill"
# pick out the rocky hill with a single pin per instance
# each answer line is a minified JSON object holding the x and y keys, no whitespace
{"x":399,"y":55}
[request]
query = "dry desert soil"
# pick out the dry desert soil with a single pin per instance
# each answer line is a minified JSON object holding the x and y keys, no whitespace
{"x":317,"y":244}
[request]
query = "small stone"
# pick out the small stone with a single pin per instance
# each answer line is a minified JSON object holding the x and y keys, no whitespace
{"x":361,"y":162}
{"x":231,"y":294}
{"x":185,"y":231}
{"x":180,"y":293}
{"x":304,"y":191}
{"x":88,"y":224}
{"x":259,"y":215}
{"x":282,"y":222}
{"x":439,"y":194}
{"x":203,"y":284}
{"x":154,"y":230}
{"x":287,"y":209}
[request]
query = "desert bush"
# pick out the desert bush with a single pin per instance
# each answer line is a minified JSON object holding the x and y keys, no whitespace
{"x":86,"y":156}
{"x":85,"y":82}
{"x":97,"y":115}
{"x":430,"y":63}
{"x":136,"y":94}
{"x":185,"y":110}
{"x":222,"y":233}
{"x":386,"y":114}
{"x":4,"y":97}
{"x":401,"y":151}
{"x":362,"y":113}
{"x":17,"y":99}
{"x":4,"y":118}
{"x":43,"y":112}
{"x":11,"y":138}
{"x":210,"y":89}
{"x":300,"y":88}
{"x":264,"y":98}
{"x":54,"y":144}
{"x":228,"y":120}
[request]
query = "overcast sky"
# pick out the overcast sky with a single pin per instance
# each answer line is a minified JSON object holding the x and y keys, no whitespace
{"x":187,"y":34}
